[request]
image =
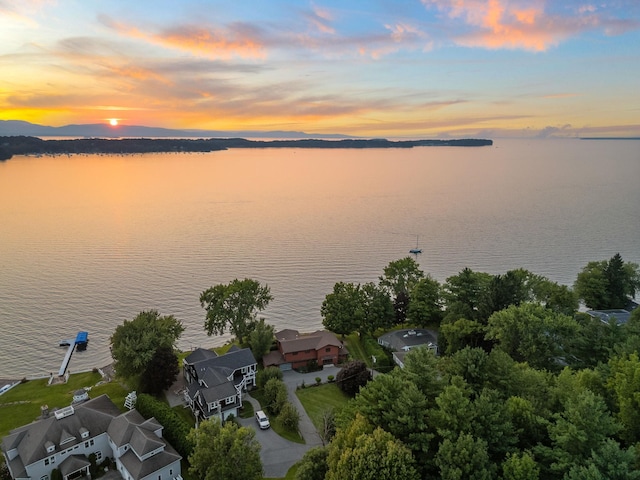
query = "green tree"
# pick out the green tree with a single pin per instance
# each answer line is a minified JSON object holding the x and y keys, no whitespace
{"x":532,"y":333}
{"x":520,"y":466}
{"x":426,"y":305}
{"x":161,"y":371}
{"x":610,"y":462}
{"x":376,"y":307}
{"x":554,"y":296}
{"x":289,"y":417}
{"x":580,"y":429}
{"x":224,"y":451}
{"x":266,"y":374}
{"x":340,"y":309}
{"x":275,"y":395}
{"x":422,"y":368}
{"x":624,"y":384}
{"x":261,"y":338}
{"x":608,"y":284}
{"x":454,"y":412}
{"x":396,"y":405}
{"x":464,"y":294}
{"x":505,"y":290}
{"x":458,"y":334}
{"x":313,"y":465}
{"x":370,"y":456}
{"x":234,"y":306}
{"x":135,"y":342}
{"x":464,"y":458}
{"x":401,"y":276}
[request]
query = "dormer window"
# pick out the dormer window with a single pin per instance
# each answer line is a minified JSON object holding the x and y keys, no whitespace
{"x":50,"y":447}
{"x":84,"y":433}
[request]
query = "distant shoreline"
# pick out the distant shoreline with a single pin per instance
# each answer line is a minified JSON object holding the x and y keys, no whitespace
{"x":23,"y":145}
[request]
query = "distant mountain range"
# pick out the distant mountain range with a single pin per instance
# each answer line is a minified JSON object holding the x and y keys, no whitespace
{"x":99,"y":130}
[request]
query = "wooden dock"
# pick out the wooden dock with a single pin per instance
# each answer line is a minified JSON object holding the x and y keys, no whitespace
{"x":80,"y":342}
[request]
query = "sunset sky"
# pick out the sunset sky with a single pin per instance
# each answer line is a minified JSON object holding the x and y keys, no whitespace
{"x":394,"y":68}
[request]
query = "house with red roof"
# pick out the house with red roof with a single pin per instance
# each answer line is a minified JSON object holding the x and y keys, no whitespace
{"x":296,"y":350}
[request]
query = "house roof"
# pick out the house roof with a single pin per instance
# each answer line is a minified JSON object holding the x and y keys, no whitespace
{"x":619,"y":315}
{"x":131,"y":428}
{"x":73,"y":464}
{"x":94,"y":415}
{"x":141,"y":469}
{"x":292,"y":341}
{"x":200,"y":354}
{"x":403,"y":340}
{"x":273,"y":358}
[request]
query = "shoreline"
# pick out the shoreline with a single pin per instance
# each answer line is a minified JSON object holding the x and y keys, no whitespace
{"x":25,"y":145}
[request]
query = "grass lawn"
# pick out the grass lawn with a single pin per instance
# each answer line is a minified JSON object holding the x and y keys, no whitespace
{"x":21,"y":404}
{"x":356,"y":349}
{"x":318,"y":399}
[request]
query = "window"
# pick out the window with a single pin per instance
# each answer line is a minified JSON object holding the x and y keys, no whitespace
{"x":46,"y":461}
{"x":328,"y":349}
{"x":86,"y":444}
{"x":91,"y":442}
{"x":52,"y":460}
{"x":44,"y":477}
{"x":98,"y":455}
{"x":171,"y":471}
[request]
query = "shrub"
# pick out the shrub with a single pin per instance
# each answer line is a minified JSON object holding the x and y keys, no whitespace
{"x":289,"y":417}
{"x":330,"y":378}
{"x":267,"y":374}
{"x":275,"y":396}
{"x":175,"y":428}
{"x":318,"y":380}
{"x":353,"y":376}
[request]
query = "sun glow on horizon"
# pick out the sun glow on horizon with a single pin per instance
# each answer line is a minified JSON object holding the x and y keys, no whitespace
{"x":113,"y":122}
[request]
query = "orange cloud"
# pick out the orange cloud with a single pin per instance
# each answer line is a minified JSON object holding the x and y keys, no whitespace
{"x":236,"y":40}
{"x":519,"y":24}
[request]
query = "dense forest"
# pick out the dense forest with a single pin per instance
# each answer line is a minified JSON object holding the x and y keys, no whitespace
{"x":525,"y":387}
{"x":22,"y":145}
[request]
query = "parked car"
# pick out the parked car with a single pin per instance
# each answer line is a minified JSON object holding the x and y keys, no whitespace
{"x":262,"y":419}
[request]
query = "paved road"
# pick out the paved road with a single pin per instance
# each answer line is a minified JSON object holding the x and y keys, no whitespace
{"x":277,"y":454}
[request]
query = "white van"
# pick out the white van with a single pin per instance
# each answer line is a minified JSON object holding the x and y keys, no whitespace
{"x":262,"y":419}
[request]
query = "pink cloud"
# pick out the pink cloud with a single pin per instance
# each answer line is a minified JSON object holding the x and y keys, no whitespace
{"x":522,"y":24}
{"x":236,"y":40}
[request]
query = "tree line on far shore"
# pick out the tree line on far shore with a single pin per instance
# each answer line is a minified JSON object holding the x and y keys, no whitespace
{"x":525,"y":387}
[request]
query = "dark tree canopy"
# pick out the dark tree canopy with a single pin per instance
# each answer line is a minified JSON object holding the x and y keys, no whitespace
{"x":608,"y":284}
{"x":352,"y":376}
{"x":234,"y":306}
{"x":135,"y":342}
{"x":161,"y":371}
{"x":261,"y":338}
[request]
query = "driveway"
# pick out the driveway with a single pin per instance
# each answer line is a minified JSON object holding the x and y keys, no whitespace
{"x":277,"y":454}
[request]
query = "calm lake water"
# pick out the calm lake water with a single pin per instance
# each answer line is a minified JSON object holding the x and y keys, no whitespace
{"x":87,"y":242}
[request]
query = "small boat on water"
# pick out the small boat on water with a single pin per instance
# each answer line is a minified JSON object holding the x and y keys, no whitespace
{"x":416,"y":250}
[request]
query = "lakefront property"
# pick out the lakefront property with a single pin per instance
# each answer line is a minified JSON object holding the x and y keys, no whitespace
{"x":296,"y":350}
{"x":64,"y":439}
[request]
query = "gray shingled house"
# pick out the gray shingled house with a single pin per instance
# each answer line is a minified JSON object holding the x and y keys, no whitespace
{"x":215,"y":383}
{"x":65,"y":438}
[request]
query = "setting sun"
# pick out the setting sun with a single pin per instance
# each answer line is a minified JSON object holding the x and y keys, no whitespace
{"x":113,"y":122}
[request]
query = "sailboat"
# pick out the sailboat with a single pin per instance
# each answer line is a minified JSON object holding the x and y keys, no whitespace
{"x":416,"y":250}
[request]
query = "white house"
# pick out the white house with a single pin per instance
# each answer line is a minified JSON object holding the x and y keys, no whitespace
{"x":65,"y":438}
